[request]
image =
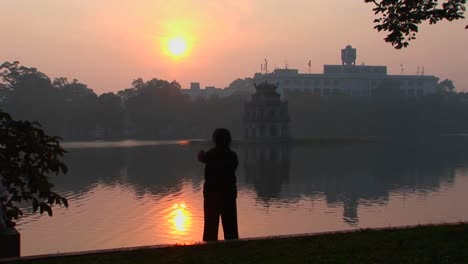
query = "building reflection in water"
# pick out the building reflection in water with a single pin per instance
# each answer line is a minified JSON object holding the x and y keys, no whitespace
{"x":347,"y":176}
{"x":160,"y":189}
{"x":267,"y":168}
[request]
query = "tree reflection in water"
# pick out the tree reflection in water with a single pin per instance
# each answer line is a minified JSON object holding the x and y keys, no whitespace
{"x":350,"y":175}
{"x":158,"y":191}
{"x":345,"y":175}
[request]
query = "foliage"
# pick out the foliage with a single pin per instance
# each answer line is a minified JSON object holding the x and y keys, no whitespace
{"x":401,"y":18}
{"x":12,"y":72}
{"x":386,"y":113}
{"x":67,"y":108}
{"x":446,"y":86}
{"x":27,"y":158}
{"x":31,"y":95}
{"x":242,"y":86}
{"x":73,"y":91}
{"x":388,"y":91}
{"x":159,"y":109}
{"x":155,"y":106}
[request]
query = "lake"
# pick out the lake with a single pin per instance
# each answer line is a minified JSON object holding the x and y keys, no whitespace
{"x":135,"y":193}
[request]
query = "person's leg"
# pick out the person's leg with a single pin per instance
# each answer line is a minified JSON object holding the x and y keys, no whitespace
{"x":211,"y":211}
{"x":229,"y":218}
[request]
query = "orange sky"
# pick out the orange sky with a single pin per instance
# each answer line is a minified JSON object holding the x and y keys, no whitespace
{"x":108,"y":43}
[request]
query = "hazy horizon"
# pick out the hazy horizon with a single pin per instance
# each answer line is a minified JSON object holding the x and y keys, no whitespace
{"x":107,"y":44}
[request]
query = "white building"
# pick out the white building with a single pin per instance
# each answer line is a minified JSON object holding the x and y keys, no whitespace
{"x":195,"y":92}
{"x":348,"y":78}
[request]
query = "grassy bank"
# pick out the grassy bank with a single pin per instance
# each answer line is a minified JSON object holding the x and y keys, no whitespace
{"x":424,"y":244}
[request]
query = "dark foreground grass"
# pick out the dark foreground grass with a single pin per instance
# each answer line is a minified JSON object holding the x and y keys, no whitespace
{"x":424,"y":244}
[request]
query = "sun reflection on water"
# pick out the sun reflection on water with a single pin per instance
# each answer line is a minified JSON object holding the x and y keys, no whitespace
{"x":180,"y":219}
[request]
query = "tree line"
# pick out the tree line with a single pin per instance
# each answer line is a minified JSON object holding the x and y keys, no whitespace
{"x":157,"y":109}
{"x":388,"y":112}
{"x":146,"y":110}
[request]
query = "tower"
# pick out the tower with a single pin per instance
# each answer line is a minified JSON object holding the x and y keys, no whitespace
{"x":348,"y":55}
{"x":266,"y":116}
{"x":195,"y":86}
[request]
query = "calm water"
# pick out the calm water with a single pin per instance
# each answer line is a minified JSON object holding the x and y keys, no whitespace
{"x":132,"y":193}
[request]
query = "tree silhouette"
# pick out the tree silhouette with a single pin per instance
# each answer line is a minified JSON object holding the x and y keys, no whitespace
{"x":110,"y":114}
{"x":446,"y":86}
{"x":401,"y":18}
{"x":155,"y":106}
{"x":27,"y":158}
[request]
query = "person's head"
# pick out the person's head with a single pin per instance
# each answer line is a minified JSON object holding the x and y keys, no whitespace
{"x":222,"y":137}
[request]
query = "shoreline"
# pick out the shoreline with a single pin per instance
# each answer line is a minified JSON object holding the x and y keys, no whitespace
{"x":45,"y":258}
{"x":129,"y":143}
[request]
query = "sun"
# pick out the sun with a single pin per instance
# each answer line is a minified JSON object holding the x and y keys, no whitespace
{"x":176,"y":47}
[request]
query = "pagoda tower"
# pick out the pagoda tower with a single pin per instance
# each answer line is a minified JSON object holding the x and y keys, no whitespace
{"x":266,"y":116}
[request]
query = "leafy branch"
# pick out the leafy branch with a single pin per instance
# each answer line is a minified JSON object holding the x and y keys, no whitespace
{"x":401,"y":18}
{"x":27,"y":159}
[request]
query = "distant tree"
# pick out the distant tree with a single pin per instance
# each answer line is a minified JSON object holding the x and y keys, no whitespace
{"x":139,"y":83}
{"x":446,"y":86}
{"x":401,"y":18}
{"x":31,"y":95}
{"x":12,"y":72}
{"x":4,"y":94}
{"x":74,"y":91}
{"x":242,"y":86}
{"x":110,"y":113}
{"x":78,"y":107}
{"x":28,"y":157}
{"x":127,"y":93}
{"x":388,"y":91}
{"x":155,"y":106}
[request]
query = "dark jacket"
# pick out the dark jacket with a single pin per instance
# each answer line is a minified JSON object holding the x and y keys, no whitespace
{"x":220,"y":173}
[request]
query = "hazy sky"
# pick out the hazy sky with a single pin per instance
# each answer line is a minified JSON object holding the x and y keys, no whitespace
{"x":108,"y":43}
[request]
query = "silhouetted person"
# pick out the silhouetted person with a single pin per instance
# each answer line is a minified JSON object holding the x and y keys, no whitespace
{"x":219,"y":190}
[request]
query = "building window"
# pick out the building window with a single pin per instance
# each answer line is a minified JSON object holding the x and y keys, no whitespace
{"x":326,"y":91}
{"x":317,"y":91}
{"x":410,"y":92}
{"x":420,"y":92}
